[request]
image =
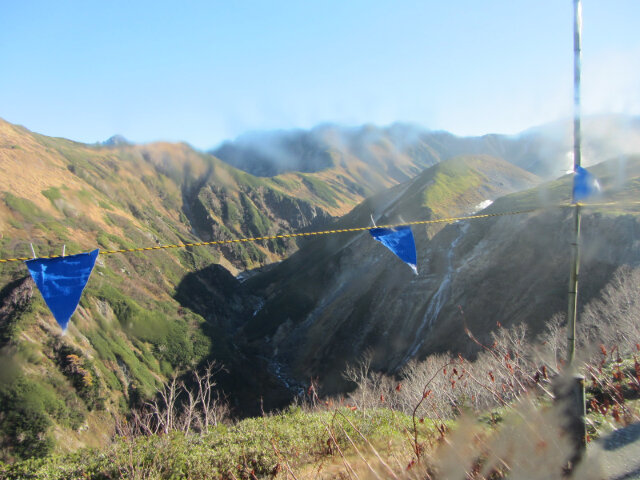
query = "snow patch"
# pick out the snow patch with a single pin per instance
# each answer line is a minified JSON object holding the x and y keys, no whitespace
{"x":482,"y":205}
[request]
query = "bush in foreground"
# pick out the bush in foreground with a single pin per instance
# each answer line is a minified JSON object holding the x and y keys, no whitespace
{"x":252,"y":448}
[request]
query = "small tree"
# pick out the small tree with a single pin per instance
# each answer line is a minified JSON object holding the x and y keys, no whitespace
{"x":178,"y":407}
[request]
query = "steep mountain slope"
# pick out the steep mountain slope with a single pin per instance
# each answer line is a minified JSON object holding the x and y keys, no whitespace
{"x":131,"y":331}
{"x":515,"y":269}
{"x":402,"y":150}
{"x":178,"y":192}
{"x":341,"y":296}
{"x":337,"y":296}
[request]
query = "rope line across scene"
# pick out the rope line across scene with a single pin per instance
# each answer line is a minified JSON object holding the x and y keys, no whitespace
{"x":323,"y":232}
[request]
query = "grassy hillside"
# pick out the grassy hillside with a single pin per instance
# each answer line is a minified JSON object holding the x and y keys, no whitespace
{"x":134,"y":327}
{"x":446,"y":417}
{"x":267,"y":447}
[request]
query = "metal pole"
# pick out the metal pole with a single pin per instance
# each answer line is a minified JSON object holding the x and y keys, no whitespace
{"x":575,"y":250}
{"x":577,"y":54}
{"x":573,"y":288}
{"x":576,"y":397}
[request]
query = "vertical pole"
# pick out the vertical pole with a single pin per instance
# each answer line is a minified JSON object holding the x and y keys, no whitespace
{"x":577,"y":65}
{"x":575,"y":247}
{"x":576,"y":397}
{"x":573,"y":287}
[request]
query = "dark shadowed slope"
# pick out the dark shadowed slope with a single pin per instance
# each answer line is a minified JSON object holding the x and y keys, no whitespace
{"x":343,"y":294}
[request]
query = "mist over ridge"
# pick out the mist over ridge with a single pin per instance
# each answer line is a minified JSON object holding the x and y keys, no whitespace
{"x":544,"y":150}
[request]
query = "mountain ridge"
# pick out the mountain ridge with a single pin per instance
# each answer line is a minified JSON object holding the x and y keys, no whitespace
{"x":542,"y":150}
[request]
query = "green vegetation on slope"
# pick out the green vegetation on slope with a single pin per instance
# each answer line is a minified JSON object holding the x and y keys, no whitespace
{"x":452,"y":180}
{"x":256,"y":447}
{"x":130,"y":332}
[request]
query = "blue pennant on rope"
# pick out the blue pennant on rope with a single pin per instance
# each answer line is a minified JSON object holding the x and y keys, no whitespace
{"x":400,"y":241}
{"x":61,"y":281}
{"x":584,"y":184}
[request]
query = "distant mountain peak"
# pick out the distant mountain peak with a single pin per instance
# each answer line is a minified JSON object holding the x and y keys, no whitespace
{"x":116,"y":141}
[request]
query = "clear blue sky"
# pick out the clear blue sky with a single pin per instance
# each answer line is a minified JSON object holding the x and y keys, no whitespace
{"x":206,"y":71}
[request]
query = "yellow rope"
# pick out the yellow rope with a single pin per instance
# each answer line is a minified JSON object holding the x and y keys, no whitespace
{"x":609,"y":204}
{"x":328,"y":232}
{"x":287,"y":235}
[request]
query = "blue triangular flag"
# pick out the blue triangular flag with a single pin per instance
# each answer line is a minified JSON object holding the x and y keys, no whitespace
{"x":61,"y":281}
{"x":584,"y":184}
{"x":400,"y":241}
